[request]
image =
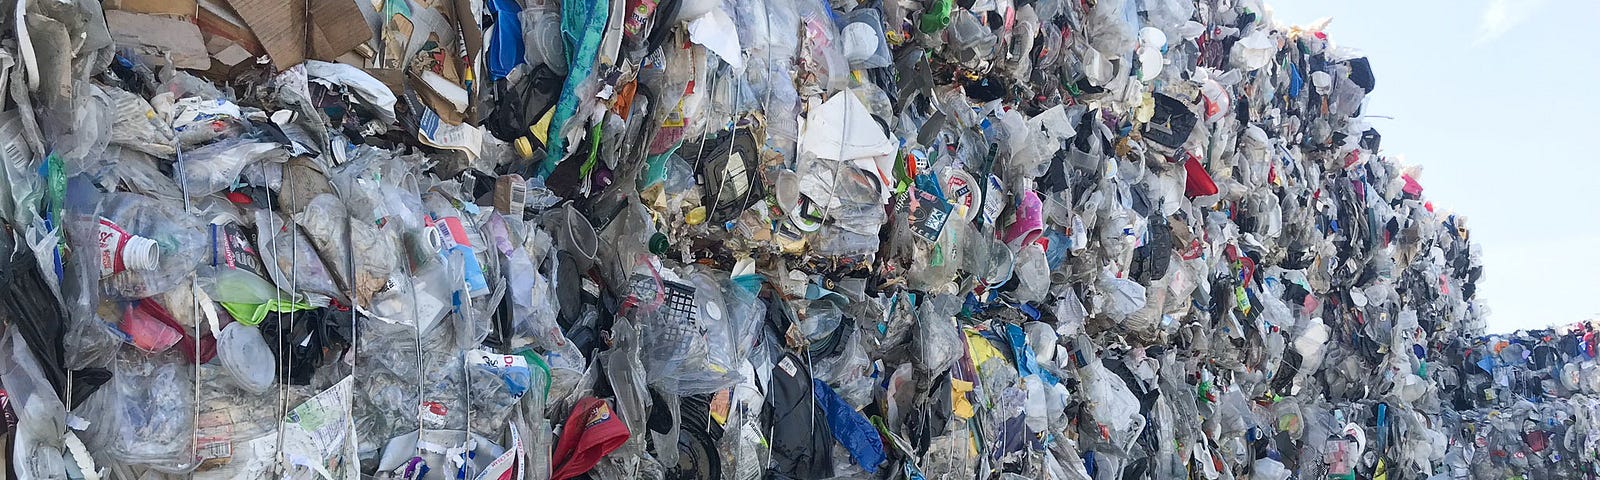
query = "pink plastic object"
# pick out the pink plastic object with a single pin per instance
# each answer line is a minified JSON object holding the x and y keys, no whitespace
{"x":1028,"y":223}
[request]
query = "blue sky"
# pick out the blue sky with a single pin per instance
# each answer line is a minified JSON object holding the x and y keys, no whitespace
{"x":1498,"y":101}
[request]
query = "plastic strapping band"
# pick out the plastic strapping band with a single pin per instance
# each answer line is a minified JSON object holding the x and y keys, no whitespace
{"x":80,"y":455}
{"x":209,"y":308}
{"x":426,"y":446}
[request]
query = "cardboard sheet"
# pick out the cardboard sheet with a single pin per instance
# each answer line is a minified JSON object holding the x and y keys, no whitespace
{"x":337,"y":27}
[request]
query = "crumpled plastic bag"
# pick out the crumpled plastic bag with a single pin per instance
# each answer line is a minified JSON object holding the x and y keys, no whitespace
{"x":1119,"y":297}
{"x":938,"y":342}
{"x":291,"y":260}
{"x":326,"y":221}
{"x":850,"y":428}
{"x":146,"y":416}
{"x":215,"y":167}
{"x":135,"y":129}
{"x":1252,"y":52}
{"x":1110,"y":401}
{"x":851,"y":371}
{"x":1269,"y":469}
{"x":1110,"y":27}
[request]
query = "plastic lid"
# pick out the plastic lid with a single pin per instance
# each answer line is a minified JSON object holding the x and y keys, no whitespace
{"x":786,"y":188}
{"x":141,"y":253}
{"x":963,"y":191}
{"x":245,"y":356}
{"x":1152,"y":41}
{"x":1570,"y":376}
{"x":547,"y":47}
{"x":713,"y":311}
{"x":1002,"y":264}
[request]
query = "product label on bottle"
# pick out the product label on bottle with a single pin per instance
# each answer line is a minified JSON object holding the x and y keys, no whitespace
{"x":231,"y":248}
{"x":433,"y":412}
{"x":507,"y":464}
{"x":513,"y":369}
{"x":1340,"y":459}
{"x":112,"y":239}
{"x":994,"y":200}
{"x":452,"y":232}
{"x":214,"y":437}
{"x":6,"y":412}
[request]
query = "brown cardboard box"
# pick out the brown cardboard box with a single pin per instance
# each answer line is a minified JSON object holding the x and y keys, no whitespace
{"x":155,"y":36}
{"x":181,"y":8}
{"x":336,"y":27}
{"x":217,"y":19}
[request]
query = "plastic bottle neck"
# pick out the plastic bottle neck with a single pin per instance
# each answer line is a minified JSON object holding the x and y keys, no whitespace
{"x":140,"y":253}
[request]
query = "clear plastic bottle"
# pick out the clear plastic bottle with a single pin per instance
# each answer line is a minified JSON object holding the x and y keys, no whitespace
{"x":148,"y":246}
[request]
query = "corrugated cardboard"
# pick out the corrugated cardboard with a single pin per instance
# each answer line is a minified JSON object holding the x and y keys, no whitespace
{"x":227,"y":52}
{"x":217,"y":19}
{"x":337,"y":27}
{"x":184,"y":8}
{"x":155,"y":35}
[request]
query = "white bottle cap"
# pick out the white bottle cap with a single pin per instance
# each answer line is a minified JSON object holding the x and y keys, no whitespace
{"x":140,"y":253}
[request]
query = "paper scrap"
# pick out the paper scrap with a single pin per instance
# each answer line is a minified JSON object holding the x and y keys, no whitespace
{"x":359,"y":81}
{"x":842,"y":129}
{"x":716,"y":31}
{"x":320,"y":434}
{"x":435,"y":132}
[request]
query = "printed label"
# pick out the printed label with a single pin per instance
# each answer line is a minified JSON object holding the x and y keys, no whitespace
{"x":928,"y":215}
{"x":112,"y":238}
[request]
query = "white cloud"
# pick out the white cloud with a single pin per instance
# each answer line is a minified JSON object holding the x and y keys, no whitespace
{"x":1501,"y":16}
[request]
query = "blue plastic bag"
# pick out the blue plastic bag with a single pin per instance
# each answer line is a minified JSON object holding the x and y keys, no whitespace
{"x":850,"y":428}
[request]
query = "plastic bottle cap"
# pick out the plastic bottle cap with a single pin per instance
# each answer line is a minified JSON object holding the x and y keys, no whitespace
{"x":713,"y":311}
{"x":140,"y":253}
{"x":524,"y":147}
{"x":658,"y":243}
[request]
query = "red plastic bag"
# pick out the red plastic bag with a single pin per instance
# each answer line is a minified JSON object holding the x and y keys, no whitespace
{"x":1198,"y":183}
